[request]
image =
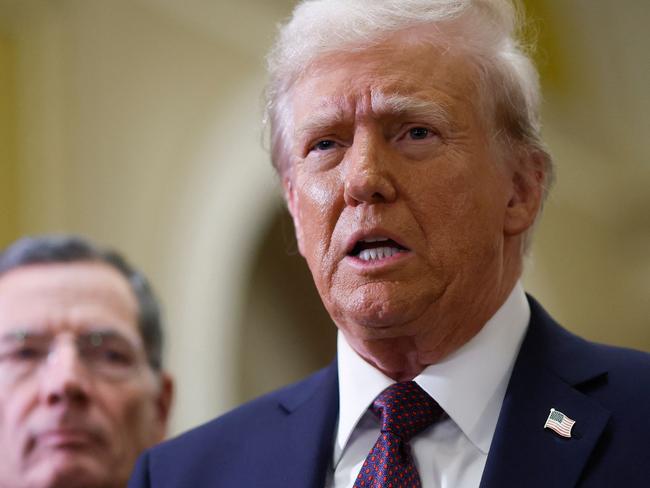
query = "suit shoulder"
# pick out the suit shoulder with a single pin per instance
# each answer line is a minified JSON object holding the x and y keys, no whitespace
{"x":220,"y":452}
{"x":615,"y":376}
{"x":620,"y":384}
{"x":248,"y":421}
{"x":575,"y":357}
{"x":623,"y":357}
{"x":625,"y":366}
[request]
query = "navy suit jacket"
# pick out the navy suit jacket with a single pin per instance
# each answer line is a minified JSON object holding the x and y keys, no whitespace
{"x":285,"y":439}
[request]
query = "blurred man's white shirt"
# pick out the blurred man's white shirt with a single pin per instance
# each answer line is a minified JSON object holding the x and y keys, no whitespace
{"x":469,"y":385}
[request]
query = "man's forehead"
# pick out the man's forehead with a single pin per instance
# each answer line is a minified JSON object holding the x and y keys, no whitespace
{"x":413,"y":80}
{"x":72,"y":295}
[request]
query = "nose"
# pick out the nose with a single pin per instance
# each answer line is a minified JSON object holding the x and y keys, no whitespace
{"x":367,"y":176}
{"x":64,"y":377}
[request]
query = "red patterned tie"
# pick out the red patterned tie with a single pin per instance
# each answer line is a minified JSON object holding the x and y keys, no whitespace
{"x":405,"y":410}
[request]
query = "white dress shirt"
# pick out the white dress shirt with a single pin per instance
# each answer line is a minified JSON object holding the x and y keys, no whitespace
{"x":469,"y":385}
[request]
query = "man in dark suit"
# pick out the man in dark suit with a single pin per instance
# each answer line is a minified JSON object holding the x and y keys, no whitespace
{"x":407,"y":138}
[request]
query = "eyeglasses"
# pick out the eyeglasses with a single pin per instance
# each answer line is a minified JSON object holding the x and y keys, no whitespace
{"x":104,"y":353}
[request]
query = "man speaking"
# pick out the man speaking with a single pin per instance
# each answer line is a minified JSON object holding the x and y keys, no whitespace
{"x":407,"y":139}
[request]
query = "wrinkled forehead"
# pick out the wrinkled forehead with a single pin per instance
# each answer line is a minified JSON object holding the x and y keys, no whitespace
{"x":390,"y":80}
{"x":80,"y":296}
{"x":376,"y":103}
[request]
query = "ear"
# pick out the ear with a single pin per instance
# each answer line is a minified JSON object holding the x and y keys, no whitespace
{"x":527,"y":192}
{"x":164,"y":403}
{"x":292,"y":198}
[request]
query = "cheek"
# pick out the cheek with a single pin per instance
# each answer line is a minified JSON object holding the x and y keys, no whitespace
{"x":140,"y":413}
{"x":319,"y":205}
{"x":16,"y":406}
{"x":318,"y":189}
{"x":132,"y":412}
{"x":458,"y":211}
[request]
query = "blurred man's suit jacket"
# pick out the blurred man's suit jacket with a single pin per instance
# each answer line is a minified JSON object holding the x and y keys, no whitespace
{"x":285,"y":439}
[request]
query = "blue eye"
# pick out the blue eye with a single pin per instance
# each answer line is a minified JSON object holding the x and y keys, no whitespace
{"x":419,"y":133}
{"x":324,"y":145}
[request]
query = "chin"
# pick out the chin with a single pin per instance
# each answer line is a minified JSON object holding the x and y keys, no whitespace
{"x":372,"y":315}
{"x":73,"y":474}
{"x":383,"y":305}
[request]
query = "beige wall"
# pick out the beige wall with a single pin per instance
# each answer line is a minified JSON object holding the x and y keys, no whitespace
{"x":137,"y":122}
{"x":591,"y":264}
{"x":8,"y":165}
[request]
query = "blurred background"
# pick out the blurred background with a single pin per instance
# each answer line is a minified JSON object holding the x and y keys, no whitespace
{"x":138,"y":123}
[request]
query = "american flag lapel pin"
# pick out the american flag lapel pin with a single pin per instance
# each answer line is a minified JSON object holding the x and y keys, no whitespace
{"x":559,"y":423}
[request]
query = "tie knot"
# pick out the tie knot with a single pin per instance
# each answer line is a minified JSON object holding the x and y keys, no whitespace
{"x":405,"y":409}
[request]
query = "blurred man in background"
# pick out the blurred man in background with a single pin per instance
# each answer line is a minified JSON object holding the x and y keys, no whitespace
{"x":82,"y":390}
{"x":407,"y":138}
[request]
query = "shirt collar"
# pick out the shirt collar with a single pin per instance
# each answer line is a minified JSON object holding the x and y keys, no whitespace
{"x":469,"y":384}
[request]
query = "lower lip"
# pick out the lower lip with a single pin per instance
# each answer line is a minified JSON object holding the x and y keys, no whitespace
{"x":376,"y":264}
{"x":63,"y":439}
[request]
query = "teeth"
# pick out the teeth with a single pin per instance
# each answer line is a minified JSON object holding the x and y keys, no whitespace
{"x":377,"y":253}
{"x":374,"y":239}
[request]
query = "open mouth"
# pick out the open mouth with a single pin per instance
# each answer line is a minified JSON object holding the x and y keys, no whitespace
{"x":376,"y":248}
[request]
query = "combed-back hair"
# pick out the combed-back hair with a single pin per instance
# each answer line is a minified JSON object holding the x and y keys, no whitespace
{"x":69,"y":249}
{"x":486,"y":31}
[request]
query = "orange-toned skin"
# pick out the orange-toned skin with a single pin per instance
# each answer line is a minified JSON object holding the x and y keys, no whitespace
{"x":450,"y":194}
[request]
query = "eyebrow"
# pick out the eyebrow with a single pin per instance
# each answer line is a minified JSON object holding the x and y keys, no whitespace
{"x":382,"y":104}
{"x":332,"y":114}
{"x":408,"y":106}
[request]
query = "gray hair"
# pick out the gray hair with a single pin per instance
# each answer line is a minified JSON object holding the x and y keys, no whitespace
{"x":486,"y":30}
{"x":69,"y":249}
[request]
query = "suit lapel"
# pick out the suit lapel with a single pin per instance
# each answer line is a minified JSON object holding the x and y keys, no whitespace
{"x":551,"y":366}
{"x":309,"y":423}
